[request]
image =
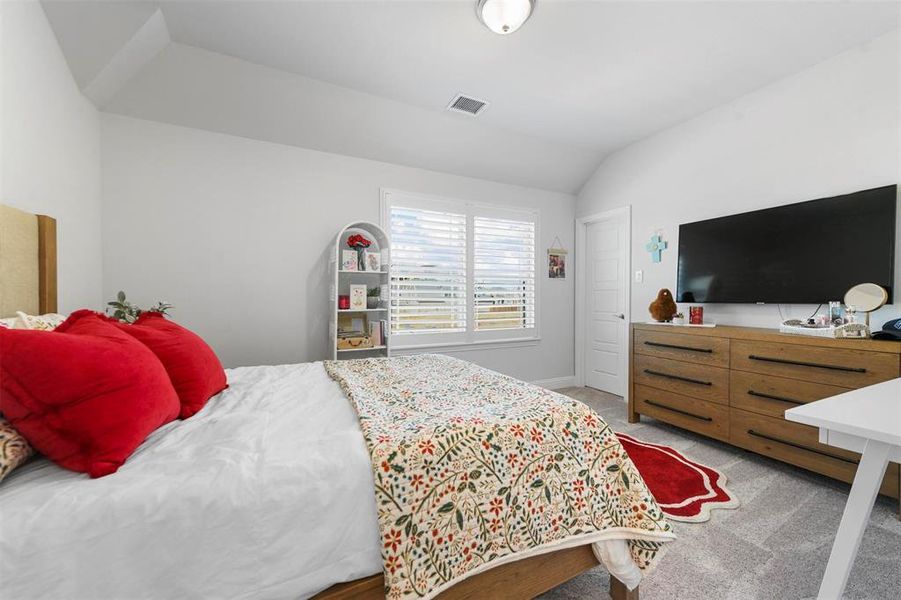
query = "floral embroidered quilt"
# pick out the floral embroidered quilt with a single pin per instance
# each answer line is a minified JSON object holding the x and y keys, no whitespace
{"x":473,"y":468}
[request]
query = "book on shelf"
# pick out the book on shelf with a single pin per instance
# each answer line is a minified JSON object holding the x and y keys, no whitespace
{"x":378,"y":331}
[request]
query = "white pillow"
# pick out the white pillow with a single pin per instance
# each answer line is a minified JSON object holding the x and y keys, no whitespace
{"x":47,"y":322}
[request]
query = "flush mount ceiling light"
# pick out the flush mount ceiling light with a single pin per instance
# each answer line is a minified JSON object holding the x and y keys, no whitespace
{"x":504,"y":16}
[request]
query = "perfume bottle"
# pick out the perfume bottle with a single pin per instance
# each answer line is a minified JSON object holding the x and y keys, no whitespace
{"x":835,"y":313}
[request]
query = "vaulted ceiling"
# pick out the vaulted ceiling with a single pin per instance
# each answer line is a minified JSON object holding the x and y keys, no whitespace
{"x":372,"y":79}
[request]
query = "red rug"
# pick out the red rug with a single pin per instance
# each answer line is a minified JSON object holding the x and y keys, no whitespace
{"x":684,"y":489}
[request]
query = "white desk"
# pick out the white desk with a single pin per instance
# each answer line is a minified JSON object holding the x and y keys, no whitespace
{"x":867,"y":421}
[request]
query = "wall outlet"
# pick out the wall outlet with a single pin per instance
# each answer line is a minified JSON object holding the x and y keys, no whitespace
{"x":639,"y":276}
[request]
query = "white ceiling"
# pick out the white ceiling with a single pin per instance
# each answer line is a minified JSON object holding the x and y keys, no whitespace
{"x":372,"y":79}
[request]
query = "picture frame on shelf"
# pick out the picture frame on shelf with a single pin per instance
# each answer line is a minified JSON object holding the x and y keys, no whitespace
{"x":357,"y":297}
{"x":350,"y":325}
{"x":372,"y":260}
{"x":349,"y":260}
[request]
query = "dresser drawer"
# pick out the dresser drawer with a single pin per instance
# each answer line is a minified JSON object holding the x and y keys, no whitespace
{"x":833,"y":366}
{"x":696,"y":349}
{"x":770,"y":395}
{"x":798,"y":445}
{"x":699,"y":381}
{"x":706,"y":418}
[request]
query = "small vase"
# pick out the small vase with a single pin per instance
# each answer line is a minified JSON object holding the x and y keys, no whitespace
{"x":361,"y":263}
{"x":372,"y":301}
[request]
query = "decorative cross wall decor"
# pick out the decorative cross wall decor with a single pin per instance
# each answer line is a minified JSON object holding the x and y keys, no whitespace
{"x":656,"y":246}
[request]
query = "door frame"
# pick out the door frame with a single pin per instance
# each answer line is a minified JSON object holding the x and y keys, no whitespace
{"x":581,"y":288}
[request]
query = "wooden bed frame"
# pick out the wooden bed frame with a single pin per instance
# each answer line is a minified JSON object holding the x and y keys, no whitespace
{"x":47,"y":294}
{"x":521,"y":579}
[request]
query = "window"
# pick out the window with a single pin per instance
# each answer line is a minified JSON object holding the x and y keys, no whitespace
{"x":428,"y":271}
{"x":460,"y":272}
{"x":503,"y":274}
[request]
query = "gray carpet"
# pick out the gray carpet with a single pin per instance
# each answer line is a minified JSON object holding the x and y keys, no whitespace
{"x":775,"y":546}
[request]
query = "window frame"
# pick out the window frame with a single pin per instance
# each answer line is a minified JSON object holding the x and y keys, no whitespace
{"x":471,"y":337}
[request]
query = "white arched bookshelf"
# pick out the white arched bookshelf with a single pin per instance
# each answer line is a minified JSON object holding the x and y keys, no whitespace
{"x":343,"y":279}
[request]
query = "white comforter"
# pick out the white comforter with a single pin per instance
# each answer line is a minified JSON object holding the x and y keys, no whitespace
{"x":266,"y":493}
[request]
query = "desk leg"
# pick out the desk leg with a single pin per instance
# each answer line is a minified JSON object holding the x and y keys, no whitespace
{"x":854,"y":519}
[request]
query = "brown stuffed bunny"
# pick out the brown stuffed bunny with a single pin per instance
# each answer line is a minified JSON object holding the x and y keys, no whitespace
{"x":663,"y":308}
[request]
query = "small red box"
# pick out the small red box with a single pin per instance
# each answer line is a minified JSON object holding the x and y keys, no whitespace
{"x":696,"y":315}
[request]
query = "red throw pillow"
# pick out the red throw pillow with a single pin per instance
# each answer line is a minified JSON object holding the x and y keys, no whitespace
{"x":85,"y":395}
{"x":193,"y":367}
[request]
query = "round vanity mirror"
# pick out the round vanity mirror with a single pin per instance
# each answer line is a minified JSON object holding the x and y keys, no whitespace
{"x":866,"y":297}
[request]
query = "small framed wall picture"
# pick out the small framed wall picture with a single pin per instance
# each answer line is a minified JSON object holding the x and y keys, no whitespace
{"x":357,"y":297}
{"x":372,"y":260}
{"x":556,"y":263}
{"x":349,"y":260}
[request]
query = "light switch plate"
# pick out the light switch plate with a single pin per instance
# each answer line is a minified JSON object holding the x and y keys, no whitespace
{"x":639,"y":276}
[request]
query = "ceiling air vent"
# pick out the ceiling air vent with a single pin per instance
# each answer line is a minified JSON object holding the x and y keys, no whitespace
{"x":467,"y":105}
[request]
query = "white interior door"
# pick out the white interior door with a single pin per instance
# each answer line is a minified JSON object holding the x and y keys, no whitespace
{"x":606,"y":331}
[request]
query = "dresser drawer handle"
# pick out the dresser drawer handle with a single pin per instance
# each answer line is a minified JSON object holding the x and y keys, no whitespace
{"x":801,"y":363}
{"x":677,"y":377}
{"x":771,"y":397}
{"x":677,"y":410}
{"x":676,"y":347}
{"x":799,"y":446}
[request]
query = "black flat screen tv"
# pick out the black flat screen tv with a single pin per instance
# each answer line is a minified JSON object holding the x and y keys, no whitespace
{"x":805,"y":253}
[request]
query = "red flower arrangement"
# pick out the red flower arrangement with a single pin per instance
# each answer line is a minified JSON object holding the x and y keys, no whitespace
{"x":358,"y":241}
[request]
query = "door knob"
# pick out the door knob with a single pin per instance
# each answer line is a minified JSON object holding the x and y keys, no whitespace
{"x":620,"y":316}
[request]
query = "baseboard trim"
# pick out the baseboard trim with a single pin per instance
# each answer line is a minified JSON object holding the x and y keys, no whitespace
{"x":557,"y":383}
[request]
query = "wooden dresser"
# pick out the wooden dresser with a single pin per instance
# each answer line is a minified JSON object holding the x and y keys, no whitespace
{"x":734,"y":384}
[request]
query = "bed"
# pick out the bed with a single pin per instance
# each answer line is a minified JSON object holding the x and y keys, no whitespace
{"x":266,"y":493}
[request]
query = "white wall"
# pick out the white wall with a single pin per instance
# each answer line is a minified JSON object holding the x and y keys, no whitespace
{"x":234,"y":232}
{"x":50,"y":144}
{"x":831,"y":129}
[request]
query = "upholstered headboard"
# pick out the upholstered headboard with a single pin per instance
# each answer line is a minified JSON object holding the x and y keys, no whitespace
{"x":27,"y":262}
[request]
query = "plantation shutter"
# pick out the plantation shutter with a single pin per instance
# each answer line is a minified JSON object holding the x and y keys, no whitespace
{"x":428,"y":271}
{"x":503,"y":273}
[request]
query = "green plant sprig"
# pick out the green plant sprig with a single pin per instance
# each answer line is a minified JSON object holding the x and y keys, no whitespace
{"x":127,"y":312}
